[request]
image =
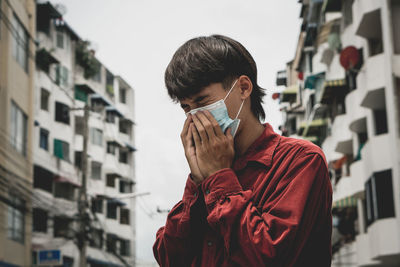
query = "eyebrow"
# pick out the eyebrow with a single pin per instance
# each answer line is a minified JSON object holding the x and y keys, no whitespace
{"x":196,"y":100}
{"x":200,"y":98}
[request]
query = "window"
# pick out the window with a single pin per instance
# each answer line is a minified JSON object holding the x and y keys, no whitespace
{"x":111,"y":148}
{"x":380,"y":121}
{"x":44,"y":99}
{"x":19,"y":129}
{"x":111,"y":180}
{"x":111,"y":210}
{"x":61,"y":149}
{"x":78,"y":159}
{"x":124,"y":216}
{"x":96,"y":170}
{"x":124,"y":126}
{"x":44,"y":139}
{"x":395,"y":10}
{"x":16,"y":219}
{"x":42,"y":179}
{"x":347,"y":11}
{"x":97,"y":238}
{"x":122,"y":95}
{"x":123,"y":156}
{"x":61,"y":76}
{"x":125,"y":186}
{"x":379,"y":196}
{"x":97,"y":205}
{"x":64,"y":190}
{"x":96,"y":136}
{"x":39,"y":218}
{"x":20,"y":45}
{"x":62,"y":113}
{"x":110,"y":117}
{"x":111,"y":243}
{"x":60,"y":39}
{"x":63,"y":227}
{"x":79,"y":125}
{"x":124,"y":247}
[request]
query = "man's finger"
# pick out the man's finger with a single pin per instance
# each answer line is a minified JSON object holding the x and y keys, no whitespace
{"x":196,"y":137}
{"x":206,"y":124}
{"x":228,"y":134}
{"x":200,"y":128}
{"x":214,"y":123}
{"x":186,"y":125}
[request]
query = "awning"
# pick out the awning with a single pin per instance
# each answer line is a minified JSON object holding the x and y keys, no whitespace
{"x":290,"y":93}
{"x":374,"y":99}
{"x":345,"y":147}
{"x":359,"y":126}
{"x":326,"y":29}
{"x":85,"y":88}
{"x":100,"y":98}
{"x":130,"y":147}
{"x":333,"y":89}
{"x":314,"y":127}
{"x":346,"y":202}
{"x":112,"y":109}
{"x":116,"y":201}
{"x":114,"y":142}
{"x":62,"y":179}
{"x":312,"y":79}
{"x":370,"y":25}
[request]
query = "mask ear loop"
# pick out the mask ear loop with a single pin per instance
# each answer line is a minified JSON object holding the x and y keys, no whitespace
{"x":240,"y":109}
{"x":230,"y":90}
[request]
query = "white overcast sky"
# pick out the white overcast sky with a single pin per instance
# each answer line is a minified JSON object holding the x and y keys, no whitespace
{"x":137,"y":38}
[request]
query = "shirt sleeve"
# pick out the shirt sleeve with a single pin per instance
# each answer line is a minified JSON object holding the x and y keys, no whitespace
{"x":264,"y":235}
{"x":174,"y":241}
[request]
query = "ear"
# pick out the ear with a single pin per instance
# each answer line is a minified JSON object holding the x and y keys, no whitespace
{"x":246,"y":86}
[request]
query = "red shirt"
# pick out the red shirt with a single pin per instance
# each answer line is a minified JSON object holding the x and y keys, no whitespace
{"x":272,"y":208}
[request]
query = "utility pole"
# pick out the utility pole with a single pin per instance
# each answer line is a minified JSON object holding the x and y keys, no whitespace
{"x":83,"y":200}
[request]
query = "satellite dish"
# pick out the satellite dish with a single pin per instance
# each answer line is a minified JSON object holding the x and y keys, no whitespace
{"x":62,"y":9}
{"x":349,"y":57}
{"x":275,"y":96}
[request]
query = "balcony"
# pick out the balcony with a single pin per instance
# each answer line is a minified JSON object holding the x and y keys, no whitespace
{"x":358,"y":178}
{"x":385,"y":245}
{"x":363,"y":251}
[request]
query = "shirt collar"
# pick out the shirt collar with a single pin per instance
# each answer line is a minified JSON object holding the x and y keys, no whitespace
{"x":261,"y":150}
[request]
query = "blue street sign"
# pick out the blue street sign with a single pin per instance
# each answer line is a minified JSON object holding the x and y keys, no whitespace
{"x":49,"y":257}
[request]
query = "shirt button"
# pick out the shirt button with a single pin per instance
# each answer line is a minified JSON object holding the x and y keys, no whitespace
{"x":209,"y":243}
{"x":207,"y":192}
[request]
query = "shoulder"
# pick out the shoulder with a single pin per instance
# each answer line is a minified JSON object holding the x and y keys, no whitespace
{"x":298,"y":149}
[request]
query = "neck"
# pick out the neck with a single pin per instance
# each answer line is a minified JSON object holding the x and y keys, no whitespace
{"x":251,"y":130}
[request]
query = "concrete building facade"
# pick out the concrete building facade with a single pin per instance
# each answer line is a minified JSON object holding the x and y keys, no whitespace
{"x":342,"y":92}
{"x":68,"y":77}
{"x":17,"y":68}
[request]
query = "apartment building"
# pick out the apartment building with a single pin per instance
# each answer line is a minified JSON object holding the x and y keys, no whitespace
{"x":68,"y":78}
{"x":342,"y":92}
{"x":17,"y":68}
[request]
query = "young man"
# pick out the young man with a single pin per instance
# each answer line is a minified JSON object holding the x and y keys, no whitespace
{"x":253,"y":197}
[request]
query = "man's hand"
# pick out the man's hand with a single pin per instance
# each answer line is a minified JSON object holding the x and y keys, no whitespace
{"x":190,"y":151}
{"x":214,"y":150}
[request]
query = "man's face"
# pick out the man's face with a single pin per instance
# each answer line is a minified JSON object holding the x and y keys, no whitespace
{"x":211,"y":94}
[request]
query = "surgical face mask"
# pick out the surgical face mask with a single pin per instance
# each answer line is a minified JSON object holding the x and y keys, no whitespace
{"x":220,"y":112}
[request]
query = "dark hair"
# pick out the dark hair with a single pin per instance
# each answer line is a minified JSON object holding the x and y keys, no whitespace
{"x":212,"y":59}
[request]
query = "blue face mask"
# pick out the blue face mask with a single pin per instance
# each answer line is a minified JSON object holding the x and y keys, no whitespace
{"x":220,"y":112}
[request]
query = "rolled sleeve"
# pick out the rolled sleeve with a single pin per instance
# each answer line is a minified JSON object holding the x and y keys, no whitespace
{"x":220,"y":184}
